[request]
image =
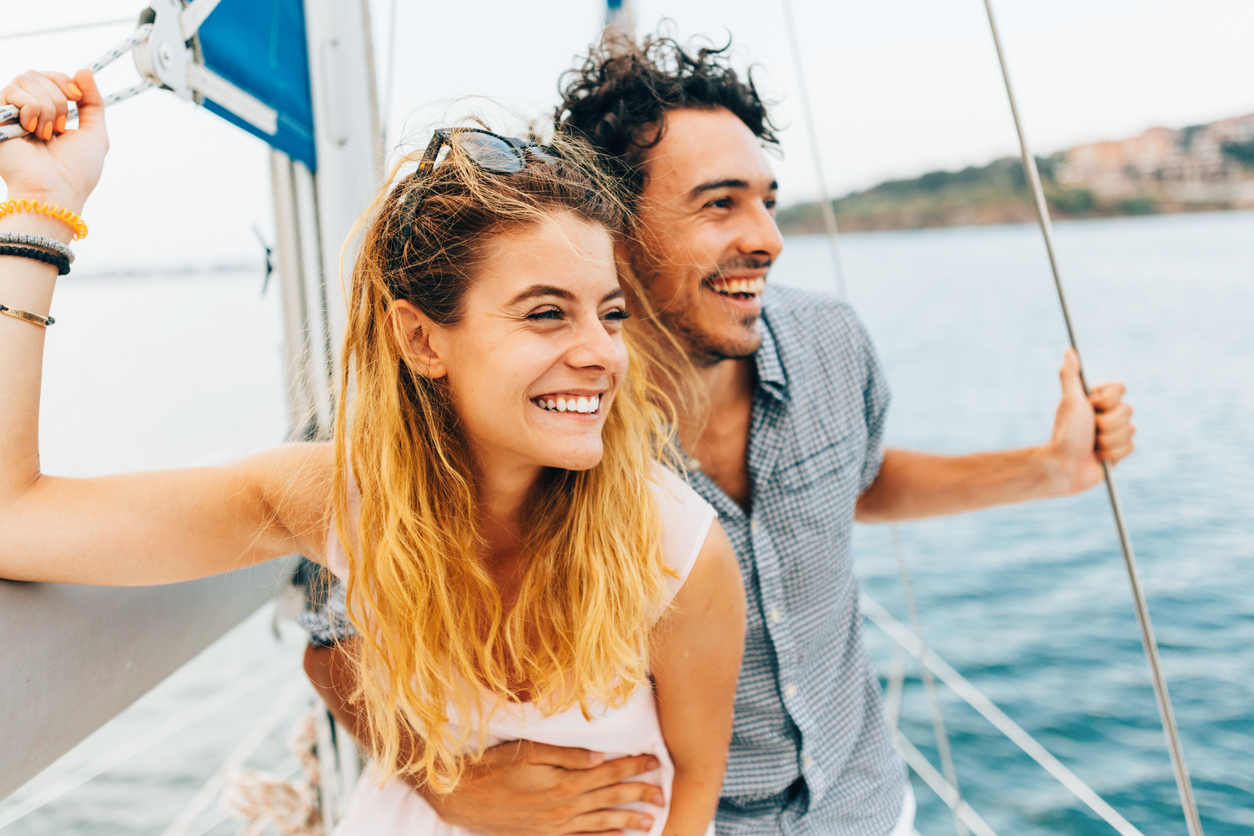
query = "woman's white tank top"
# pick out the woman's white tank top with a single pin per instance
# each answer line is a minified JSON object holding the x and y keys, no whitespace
{"x":632,"y":729}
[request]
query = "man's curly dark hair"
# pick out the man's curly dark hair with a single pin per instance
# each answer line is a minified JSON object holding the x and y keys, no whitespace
{"x":618,"y":99}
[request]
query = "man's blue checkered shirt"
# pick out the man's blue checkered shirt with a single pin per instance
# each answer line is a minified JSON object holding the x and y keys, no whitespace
{"x":811,"y":751}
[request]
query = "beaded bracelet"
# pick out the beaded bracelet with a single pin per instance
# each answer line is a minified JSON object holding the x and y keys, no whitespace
{"x":27,"y":316}
{"x":38,"y":241}
{"x":74,"y":221}
{"x":58,"y":261}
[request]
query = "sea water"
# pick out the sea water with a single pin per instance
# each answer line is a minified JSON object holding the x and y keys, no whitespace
{"x":1030,"y":602}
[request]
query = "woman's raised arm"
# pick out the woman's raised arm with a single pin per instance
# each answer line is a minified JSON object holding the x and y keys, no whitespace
{"x":131,"y":529}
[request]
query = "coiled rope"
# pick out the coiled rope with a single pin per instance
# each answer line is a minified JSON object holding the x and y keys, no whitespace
{"x":265,"y":799}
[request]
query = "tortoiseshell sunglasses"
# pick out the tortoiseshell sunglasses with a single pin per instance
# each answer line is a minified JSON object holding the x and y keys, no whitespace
{"x":492,"y":152}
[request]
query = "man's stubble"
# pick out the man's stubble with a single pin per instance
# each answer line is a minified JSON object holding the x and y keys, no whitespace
{"x":703,"y":348}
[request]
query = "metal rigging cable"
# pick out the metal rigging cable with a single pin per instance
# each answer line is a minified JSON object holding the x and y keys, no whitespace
{"x":907,"y":640}
{"x":929,"y":685}
{"x":1142,"y":610}
{"x":53,"y":30}
{"x":385,"y":106}
{"x":825,"y":201}
{"x":833,"y":237}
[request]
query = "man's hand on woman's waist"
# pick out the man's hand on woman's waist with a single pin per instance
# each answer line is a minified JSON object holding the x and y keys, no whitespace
{"x":520,"y":788}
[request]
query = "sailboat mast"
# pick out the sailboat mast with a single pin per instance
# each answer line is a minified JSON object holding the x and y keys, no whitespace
{"x":315,"y":211}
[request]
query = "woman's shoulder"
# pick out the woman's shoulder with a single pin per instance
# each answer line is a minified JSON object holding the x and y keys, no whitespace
{"x":294,"y":481}
{"x":685,"y":518}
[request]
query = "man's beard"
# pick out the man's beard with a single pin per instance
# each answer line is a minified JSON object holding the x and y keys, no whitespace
{"x":704,"y":349}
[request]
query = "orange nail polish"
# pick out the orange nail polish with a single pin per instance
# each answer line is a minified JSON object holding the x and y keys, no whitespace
{"x":74,"y":91}
{"x":34,"y":123}
{"x":60,"y":124}
{"x":48,"y":131}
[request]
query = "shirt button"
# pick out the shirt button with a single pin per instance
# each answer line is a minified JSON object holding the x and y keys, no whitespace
{"x":790,"y":691}
{"x":693,"y":463}
{"x":753,"y":524}
{"x":773,"y":615}
{"x":806,"y":761}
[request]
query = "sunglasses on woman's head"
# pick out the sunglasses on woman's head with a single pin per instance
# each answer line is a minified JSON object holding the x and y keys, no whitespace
{"x":489,"y":151}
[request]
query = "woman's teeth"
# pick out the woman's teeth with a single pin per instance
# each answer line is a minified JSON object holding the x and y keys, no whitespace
{"x":569,"y":403}
{"x":731,"y":287}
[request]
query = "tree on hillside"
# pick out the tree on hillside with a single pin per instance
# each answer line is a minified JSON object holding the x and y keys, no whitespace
{"x":1242,"y":152}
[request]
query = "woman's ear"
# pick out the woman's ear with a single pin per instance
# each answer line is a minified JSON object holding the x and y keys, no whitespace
{"x":413,"y":329}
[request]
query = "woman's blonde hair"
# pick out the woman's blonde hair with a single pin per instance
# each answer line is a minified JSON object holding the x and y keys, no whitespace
{"x":436,"y":638}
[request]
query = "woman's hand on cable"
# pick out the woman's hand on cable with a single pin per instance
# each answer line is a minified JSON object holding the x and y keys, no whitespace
{"x":54,"y":163}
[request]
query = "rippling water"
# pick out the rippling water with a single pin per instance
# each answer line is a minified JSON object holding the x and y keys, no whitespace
{"x":1030,"y":603}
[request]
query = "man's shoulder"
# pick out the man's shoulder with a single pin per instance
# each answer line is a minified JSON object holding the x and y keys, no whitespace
{"x":801,"y":318}
{"x":794,"y":299}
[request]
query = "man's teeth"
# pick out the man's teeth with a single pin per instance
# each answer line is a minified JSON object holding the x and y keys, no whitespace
{"x":570,"y":403}
{"x":750,"y":286}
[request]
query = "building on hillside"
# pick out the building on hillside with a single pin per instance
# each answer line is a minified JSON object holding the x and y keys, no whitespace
{"x":1194,"y":165}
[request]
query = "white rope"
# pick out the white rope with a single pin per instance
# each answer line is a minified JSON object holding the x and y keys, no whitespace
{"x":896,"y":685}
{"x":243,"y":750}
{"x":289,"y":768}
{"x":141,"y":742}
{"x":1167,"y":715}
{"x":929,"y":684}
{"x":265,"y":799}
{"x":133,"y":40}
{"x":901,"y":634}
{"x":9,"y":113}
{"x":947,"y":792}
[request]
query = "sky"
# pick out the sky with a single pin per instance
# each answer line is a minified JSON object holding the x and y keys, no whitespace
{"x":897,"y":88}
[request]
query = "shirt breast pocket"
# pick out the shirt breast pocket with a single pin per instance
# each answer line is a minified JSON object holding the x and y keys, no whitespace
{"x":821,"y":465}
{"x":817,"y":493}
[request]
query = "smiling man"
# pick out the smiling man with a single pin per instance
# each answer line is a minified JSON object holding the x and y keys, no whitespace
{"x":790,"y":453}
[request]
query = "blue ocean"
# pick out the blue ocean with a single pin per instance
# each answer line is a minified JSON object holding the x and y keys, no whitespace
{"x":1030,"y":603}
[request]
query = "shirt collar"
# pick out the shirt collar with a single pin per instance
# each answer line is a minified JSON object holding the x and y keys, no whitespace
{"x":772,"y":378}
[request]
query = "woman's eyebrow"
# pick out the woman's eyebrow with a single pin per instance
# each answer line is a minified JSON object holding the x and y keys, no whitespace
{"x":539,"y":290}
{"x":542,"y":290}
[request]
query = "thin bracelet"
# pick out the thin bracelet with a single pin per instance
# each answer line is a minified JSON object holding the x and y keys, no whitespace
{"x":58,"y":261}
{"x":27,"y":316}
{"x":38,"y":241}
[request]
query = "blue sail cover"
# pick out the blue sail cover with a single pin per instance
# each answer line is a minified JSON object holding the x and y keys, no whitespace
{"x":259,"y":46}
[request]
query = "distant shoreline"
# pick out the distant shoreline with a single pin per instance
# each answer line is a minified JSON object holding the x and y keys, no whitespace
{"x":807,"y":219}
{"x":1199,"y":168}
{"x":168,"y":270}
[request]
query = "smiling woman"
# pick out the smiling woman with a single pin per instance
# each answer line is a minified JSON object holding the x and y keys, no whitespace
{"x":504,"y":294}
{"x":507,"y":561}
{"x":543,"y":321}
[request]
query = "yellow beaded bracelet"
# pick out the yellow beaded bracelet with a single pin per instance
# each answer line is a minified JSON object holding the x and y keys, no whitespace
{"x":65,"y":215}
